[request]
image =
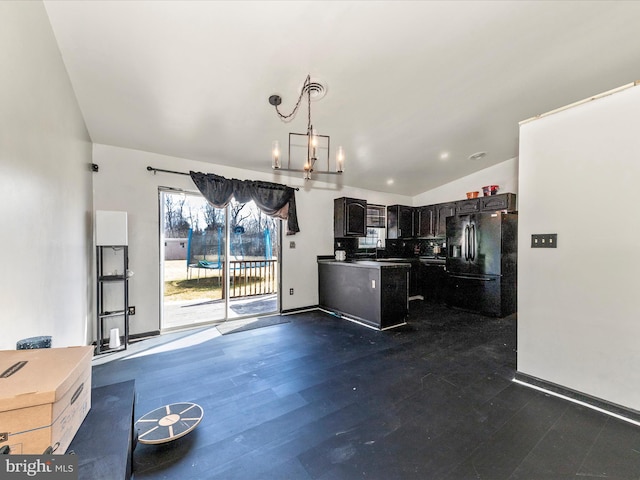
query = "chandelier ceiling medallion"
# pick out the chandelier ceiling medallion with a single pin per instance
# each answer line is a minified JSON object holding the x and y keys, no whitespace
{"x":305,"y":148}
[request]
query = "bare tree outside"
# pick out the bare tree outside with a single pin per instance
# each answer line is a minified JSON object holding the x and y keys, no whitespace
{"x":213,"y":217}
{"x":176,"y":226}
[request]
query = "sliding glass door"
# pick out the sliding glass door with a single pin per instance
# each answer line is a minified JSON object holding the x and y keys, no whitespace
{"x":253,"y":261}
{"x":216,"y":264}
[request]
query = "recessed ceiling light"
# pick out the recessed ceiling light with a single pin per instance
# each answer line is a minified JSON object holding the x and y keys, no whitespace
{"x":477,"y":155}
{"x":444,"y":155}
{"x":390,"y":181}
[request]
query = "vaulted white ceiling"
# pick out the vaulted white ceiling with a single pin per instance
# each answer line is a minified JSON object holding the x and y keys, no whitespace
{"x":406,"y":81}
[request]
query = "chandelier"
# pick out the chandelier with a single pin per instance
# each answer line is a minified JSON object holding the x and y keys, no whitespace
{"x":305,"y":148}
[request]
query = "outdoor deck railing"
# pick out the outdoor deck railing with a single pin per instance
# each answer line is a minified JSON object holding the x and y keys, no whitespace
{"x":252,"y":277}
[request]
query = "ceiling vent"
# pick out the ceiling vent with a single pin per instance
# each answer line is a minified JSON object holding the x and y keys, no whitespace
{"x":316,"y":89}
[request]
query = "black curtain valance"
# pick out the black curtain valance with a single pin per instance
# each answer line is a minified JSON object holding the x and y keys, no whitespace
{"x":273,"y":199}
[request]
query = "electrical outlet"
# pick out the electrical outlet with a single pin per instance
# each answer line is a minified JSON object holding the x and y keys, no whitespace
{"x":291,"y":291}
{"x":292,"y":244}
{"x":132,"y":310}
{"x":544,"y":240}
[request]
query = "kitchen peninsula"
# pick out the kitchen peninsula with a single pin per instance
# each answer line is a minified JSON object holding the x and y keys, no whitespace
{"x":373,"y":293}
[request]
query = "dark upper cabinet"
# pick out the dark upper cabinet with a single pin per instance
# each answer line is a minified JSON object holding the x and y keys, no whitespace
{"x":443,"y":210}
{"x":349,"y":217}
{"x":431,"y":219}
{"x":468,"y":206}
{"x":491,"y":203}
{"x":503,"y":201}
{"x":425,"y":221}
{"x":400,"y":221}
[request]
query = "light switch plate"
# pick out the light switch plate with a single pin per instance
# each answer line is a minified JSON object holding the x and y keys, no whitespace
{"x":544,"y":240}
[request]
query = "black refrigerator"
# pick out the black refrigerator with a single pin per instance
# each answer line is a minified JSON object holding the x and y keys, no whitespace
{"x":482,"y":251}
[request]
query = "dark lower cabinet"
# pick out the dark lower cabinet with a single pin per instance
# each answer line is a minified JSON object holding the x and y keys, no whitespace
{"x":433,"y":283}
{"x":372,"y":293}
{"x":415,"y":278}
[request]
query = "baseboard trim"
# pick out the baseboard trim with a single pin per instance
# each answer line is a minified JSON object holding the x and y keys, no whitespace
{"x":291,"y":311}
{"x":345,"y":317}
{"x":595,"y":403}
{"x":135,"y":337}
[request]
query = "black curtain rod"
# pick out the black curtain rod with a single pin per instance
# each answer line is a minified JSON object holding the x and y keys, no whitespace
{"x":155,"y":170}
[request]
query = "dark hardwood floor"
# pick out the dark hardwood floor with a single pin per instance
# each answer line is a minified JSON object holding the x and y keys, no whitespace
{"x":324,"y":398}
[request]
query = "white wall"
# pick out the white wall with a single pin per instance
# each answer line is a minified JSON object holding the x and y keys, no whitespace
{"x":578,"y":314}
{"x":124,"y":184}
{"x":45,"y":180}
{"x":504,"y":174}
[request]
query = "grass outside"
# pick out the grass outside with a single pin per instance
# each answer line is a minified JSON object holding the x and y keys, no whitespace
{"x":203,"y":289}
{"x":178,"y":288}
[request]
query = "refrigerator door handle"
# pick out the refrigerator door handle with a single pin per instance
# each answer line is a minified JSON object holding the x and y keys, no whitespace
{"x":466,"y":242}
{"x":472,"y":234}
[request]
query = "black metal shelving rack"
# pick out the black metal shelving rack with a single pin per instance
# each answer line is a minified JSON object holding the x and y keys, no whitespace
{"x":102,"y":341}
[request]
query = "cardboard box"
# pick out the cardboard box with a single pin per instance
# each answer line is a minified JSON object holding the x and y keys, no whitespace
{"x":45,"y":394}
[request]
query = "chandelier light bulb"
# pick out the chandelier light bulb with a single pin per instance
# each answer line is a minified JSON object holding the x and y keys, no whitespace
{"x":275,"y":154}
{"x":313,"y":142}
{"x":340,"y":160}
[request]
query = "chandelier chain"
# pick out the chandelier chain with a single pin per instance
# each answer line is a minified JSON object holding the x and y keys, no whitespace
{"x":307,"y":82}
{"x":308,"y":106}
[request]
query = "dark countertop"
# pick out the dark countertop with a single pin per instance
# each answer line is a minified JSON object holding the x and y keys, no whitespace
{"x":433,"y":260}
{"x":366,"y":263}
